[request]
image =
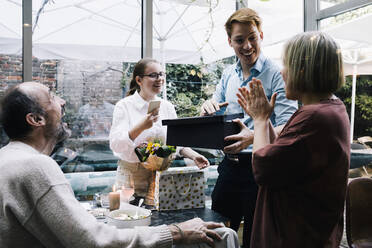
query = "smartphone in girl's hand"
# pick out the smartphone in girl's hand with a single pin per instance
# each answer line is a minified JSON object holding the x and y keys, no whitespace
{"x":153,"y":105}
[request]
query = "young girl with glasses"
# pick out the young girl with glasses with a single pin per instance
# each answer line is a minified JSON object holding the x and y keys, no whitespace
{"x":132,"y":125}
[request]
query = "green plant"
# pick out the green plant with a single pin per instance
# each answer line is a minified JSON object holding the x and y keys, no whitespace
{"x":188,"y":86}
{"x":363,"y":104}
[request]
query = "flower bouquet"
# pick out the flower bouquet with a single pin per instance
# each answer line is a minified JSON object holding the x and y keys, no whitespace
{"x":155,"y":155}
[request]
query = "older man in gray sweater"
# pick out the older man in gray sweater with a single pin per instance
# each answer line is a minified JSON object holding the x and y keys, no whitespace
{"x":37,"y":205}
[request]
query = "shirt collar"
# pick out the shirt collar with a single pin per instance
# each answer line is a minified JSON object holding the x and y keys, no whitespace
{"x":140,"y":102}
{"x":256,"y":67}
{"x":259,"y":63}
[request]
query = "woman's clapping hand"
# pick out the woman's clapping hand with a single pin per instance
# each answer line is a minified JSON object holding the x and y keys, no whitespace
{"x":254,"y":102}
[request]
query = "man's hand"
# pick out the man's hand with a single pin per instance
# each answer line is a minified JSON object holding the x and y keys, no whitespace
{"x":243,"y":139}
{"x":195,"y":231}
{"x":210,"y":107}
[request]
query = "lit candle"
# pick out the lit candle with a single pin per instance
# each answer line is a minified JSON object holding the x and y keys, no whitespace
{"x":114,"y":199}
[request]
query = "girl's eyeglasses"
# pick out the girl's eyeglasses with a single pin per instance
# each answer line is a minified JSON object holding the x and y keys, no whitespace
{"x":155,"y":75}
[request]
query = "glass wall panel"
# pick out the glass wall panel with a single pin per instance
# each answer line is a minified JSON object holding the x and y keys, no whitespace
{"x":281,"y":20}
{"x":190,"y":38}
{"x":190,"y":32}
{"x":89,"y":42}
{"x":191,"y":41}
{"x":10,"y":49}
{"x":79,"y":51}
{"x":10,"y":44}
{"x":351,"y":31}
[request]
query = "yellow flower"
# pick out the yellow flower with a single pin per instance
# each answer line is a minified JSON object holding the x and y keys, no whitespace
{"x":149,"y":147}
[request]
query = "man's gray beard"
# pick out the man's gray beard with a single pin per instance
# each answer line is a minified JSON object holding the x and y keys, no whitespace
{"x":62,"y":133}
{"x":58,"y":134}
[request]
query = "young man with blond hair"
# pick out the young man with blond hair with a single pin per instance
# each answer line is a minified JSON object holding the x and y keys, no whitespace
{"x":236,"y":190}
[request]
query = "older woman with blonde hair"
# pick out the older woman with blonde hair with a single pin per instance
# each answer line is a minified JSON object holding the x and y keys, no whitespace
{"x":302,"y":173}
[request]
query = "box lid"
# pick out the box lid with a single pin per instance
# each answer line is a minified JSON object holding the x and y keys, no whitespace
{"x":202,"y":119}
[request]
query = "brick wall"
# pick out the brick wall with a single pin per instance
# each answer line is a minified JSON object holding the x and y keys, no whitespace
{"x":83,"y":82}
{"x":44,"y":71}
{"x":90,"y":88}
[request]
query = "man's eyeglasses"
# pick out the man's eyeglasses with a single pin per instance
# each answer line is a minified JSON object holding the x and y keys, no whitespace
{"x":155,"y":75}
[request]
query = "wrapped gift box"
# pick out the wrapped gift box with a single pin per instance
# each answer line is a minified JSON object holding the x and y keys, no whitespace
{"x":202,"y":132}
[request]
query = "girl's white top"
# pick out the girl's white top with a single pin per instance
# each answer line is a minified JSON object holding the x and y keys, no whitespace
{"x":128,"y":112}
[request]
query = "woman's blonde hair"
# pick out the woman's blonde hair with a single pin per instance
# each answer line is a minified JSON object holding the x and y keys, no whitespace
{"x":314,"y":63}
{"x":245,"y":16}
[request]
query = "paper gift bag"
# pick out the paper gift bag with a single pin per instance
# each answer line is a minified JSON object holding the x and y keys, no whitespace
{"x":179,"y":188}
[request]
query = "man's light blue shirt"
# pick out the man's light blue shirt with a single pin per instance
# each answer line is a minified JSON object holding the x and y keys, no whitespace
{"x":272,"y":81}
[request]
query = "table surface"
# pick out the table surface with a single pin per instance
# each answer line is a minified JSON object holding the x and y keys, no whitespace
{"x":176,"y":216}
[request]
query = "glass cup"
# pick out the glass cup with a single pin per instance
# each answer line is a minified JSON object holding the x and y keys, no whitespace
{"x":127,"y":189}
{"x":102,"y":200}
{"x":105,"y":203}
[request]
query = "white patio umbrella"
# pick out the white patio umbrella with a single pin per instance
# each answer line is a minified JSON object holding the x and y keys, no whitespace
{"x":184,"y":31}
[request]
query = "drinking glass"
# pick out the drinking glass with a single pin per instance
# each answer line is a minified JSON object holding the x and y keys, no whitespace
{"x":127,"y":189}
{"x":102,"y":200}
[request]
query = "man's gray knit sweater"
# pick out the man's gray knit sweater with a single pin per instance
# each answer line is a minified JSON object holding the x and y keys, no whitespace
{"x":38,"y":208}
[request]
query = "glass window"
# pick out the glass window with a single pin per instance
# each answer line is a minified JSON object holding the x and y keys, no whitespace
{"x":78,"y":51}
{"x":349,"y":30}
{"x":191,"y":32}
{"x":10,"y":49}
{"x":11,"y":44}
{"x":190,"y":39}
{"x":281,"y":20}
{"x":88,"y":43}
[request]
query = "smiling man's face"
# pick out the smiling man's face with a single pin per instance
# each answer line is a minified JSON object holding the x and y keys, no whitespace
{"x":246,"y":41}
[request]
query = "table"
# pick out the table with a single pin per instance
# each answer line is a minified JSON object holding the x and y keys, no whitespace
{"x":175,"y":216}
